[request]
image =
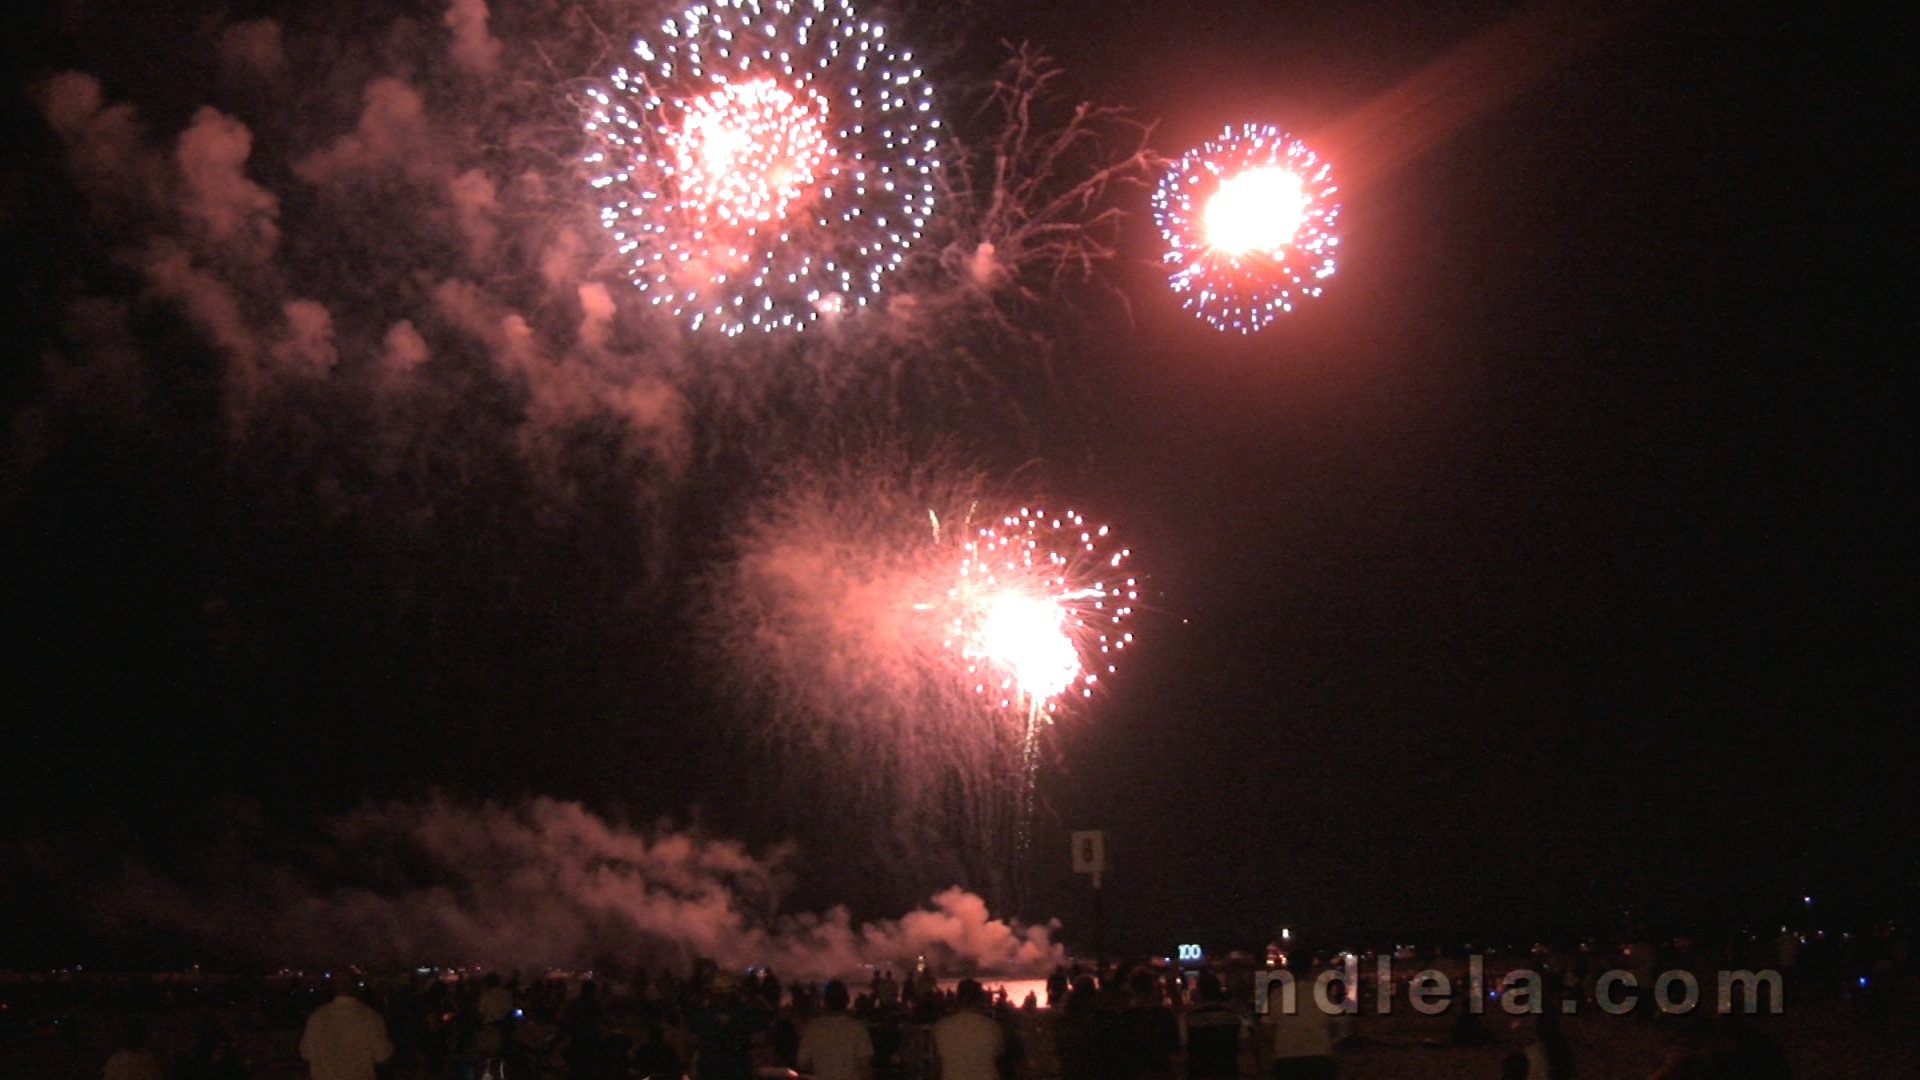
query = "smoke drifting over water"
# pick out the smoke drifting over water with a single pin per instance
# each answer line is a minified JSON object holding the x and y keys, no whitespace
{"x":534,"y":884}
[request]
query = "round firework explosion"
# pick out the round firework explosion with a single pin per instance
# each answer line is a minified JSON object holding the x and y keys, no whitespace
{"x":766,"y":163}
{"x":1248,"y":219}
{"x":1040,"y":608}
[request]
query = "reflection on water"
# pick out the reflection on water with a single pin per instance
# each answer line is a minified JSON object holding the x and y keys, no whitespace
{"x":1017,"y":989}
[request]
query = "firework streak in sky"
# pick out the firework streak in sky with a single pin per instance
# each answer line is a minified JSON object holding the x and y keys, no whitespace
{"x":765,"y":164}
{"x":1248,"y":220}
{"x":1039,"y":609}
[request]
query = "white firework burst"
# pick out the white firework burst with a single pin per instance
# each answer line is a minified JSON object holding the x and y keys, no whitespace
{"x":765,"y":163}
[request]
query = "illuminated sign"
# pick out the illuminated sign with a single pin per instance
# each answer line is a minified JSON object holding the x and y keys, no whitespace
{"x":1190,"y":953}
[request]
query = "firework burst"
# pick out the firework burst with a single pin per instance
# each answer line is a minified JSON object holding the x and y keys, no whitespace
{"x":766,"y":163}
{"x":1040,"y":608}
{"x":905,"y":647}
{"x":1038,"y":612}
{"x":1248,"y":220}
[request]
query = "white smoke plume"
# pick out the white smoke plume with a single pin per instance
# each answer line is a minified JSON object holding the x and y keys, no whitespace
{"x":542,"y":883}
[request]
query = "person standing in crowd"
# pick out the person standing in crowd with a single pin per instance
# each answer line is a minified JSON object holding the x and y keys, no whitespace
{"x":582,"y":1020}
{"x":1152,"y":1034}
{"x":725,"y":1029}
{"x":1212,"y":1033}
{"x":1549,"y":1055}
{"x":969,"y":1043}
{"x":345,"y":1039}
{"x":1299,"y":1039}
{"x":496,"y":1001}
{"x":214,"y":1056}
{"x":1076,"y":1033}
{"x":836,"y":1045}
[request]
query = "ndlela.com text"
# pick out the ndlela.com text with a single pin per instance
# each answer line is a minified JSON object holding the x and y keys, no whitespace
{"x":1520,"y":991}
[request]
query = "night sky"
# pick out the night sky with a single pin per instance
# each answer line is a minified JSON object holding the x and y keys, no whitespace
{"x":1541,"y":577}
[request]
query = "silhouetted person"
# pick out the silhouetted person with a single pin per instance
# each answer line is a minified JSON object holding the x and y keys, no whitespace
{"x":836,"y":1045}
{"x":586,"y":1044}
{"x":770,"y":988}
{"x":1076,"y":1033}
{"x":1549,"y":1055}
{"x":1212,"y":1033}
{"x":214,"y":1057}
{"x":1150,"y":1034}
{"x":1469,"y":1029}
{"x":653,"y":1057}
{"x":1299,"y":1040}
{"x":724,"y":1029}
{"x":969,"y":1043}
{"x":134,"y":1058}
{"x":345,"y":1039}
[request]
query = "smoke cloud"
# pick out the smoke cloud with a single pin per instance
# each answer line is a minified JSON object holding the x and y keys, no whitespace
{"x":296,"y":248}
{"x":535,"y":884}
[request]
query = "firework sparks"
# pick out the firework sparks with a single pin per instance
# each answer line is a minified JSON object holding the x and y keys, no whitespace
{"x":1035,"y":592}
{"x":1248,"y":220}
{"x":912,"y":647}
{"x":767,"y":163}
{"x":1042,"y":605}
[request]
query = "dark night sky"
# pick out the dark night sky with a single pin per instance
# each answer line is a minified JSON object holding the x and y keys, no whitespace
{"x":1544,"y":569}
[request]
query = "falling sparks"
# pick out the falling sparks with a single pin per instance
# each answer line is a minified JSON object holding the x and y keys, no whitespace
{"x":1039,"y":610}
{"x":1248,"y":220}
{"x":767,"y":164}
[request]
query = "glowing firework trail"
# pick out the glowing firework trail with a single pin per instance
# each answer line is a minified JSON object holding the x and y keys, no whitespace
{"x":1248,"y":220}
{"x":1041,"y":609}
{"x":767,"y":163}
